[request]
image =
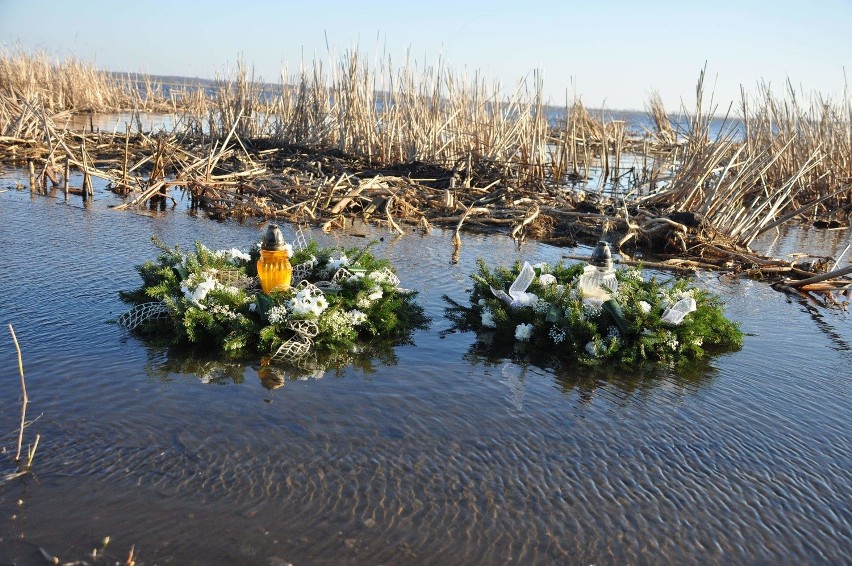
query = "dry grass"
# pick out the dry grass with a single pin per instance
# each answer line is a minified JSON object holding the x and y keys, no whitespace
{"x":789,"y":158}
{"x":382,"y":115}
{"x":790,"y":155}
{"x":74,"y":85}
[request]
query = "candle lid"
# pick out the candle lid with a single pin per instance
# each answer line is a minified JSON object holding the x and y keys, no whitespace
{"x":601,"y":256}
{"x":273,"y":239}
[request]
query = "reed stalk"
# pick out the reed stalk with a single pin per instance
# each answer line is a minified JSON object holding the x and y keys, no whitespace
{"x":24,"y":402}
{"x":742,"y":175}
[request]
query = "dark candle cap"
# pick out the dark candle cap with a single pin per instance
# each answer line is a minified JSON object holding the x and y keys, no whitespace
{"x":273,"y":239}
{"x":601,"y":256}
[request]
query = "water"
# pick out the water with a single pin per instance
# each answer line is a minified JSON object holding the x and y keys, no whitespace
{"x":637,"y":123}
{"x":438,"y":454}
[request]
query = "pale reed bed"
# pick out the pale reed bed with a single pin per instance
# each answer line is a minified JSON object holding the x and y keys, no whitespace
{"x":427,"y":144}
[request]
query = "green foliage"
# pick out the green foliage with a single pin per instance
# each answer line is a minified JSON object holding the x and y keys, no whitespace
{"x":553,"y":315}
{"x":212,"y":300}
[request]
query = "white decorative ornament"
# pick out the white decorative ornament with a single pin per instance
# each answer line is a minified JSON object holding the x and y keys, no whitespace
{"x":341,"y":275}
{"x":598,"y":279}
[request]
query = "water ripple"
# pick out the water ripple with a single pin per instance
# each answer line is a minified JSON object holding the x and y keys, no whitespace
{"x":446,"y":456}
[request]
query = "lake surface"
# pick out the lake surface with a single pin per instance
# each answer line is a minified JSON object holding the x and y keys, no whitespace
{"x":434,"y":453}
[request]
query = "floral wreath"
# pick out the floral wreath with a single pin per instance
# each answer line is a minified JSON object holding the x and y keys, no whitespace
{"x":211,"y":297}
{"x":594,"y":313}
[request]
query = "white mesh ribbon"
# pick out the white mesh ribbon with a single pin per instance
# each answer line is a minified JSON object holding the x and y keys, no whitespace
{"x":233,"y":278}
{"x":312,"y":290}
{"x":300,"y":344}
{"x":301,"y":240}
{"x":141,"y":314}
{"x":388,"y":276}
{"x":303,"y":271}
{"x":340,"y":276}
{"x":518,"y":296}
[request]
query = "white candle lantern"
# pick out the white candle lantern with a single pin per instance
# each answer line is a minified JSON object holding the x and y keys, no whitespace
{"x":598,"y":279}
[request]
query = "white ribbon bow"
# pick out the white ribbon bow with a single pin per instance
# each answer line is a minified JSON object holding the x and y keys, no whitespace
{"x":518,"y":296}
{"x":674,"y":314}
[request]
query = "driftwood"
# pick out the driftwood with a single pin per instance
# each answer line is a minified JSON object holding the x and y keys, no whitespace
{"x":811,"y":281}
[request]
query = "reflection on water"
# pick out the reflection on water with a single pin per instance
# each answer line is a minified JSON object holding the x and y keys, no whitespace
{"x":587,"y":380}
{"x":442,"y":451}
{"x":210,"y":367}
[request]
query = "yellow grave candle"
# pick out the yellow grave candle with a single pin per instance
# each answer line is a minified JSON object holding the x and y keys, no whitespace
{"x":273,"y":267}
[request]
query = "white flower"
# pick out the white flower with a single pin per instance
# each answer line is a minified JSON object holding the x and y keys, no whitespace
{"x":339,"y":324}
{"x":671,"y":340}
{"x":252,"y":307}
{"x":592,"y":307}
{"x":547,"y":279}
{"x":644,"y":307}
{"x":375,"y":295}
{"x":488,"y":319}
{"x":524,"y":300}
{"x":198,"y":292}
{"x":223,"y":311}
{"x":277,"y":314}
{"x":308,"y":302}
{"x":384,"y":276}
{"x":357,"y":317}
{"x":523,"y":332}
{"x":592,"y":349}
{"x":335,"y":264}
{"x":557,"y":334}
{"x":542,"y":307}
{"x":238,"y":255}
{"x":300,"y":307}
{"x":631,"y":273}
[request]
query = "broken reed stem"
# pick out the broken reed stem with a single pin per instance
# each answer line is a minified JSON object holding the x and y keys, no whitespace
{"x":391,"y":221}
{"x":31,"y":452}
{"x":126,"y":155}
{"x":66,"y":181}
{"x":819,"y":278}
{"x":24,"y":401}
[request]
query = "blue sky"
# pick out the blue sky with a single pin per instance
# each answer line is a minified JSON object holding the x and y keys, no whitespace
{"x":610,"y":53}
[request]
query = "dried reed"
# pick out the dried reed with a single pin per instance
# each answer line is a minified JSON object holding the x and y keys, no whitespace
{"x":741,"y":175}
{"x":24,"y":402}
